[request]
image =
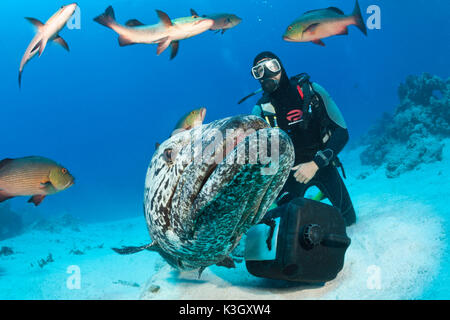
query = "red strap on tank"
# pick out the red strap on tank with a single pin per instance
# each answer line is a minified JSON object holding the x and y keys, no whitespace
{"x":300,"y":91}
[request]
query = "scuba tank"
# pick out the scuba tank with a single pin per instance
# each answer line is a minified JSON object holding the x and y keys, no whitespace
{"x":302,"y":241}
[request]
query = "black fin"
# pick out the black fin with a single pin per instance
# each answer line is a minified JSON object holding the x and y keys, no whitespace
{"x":319,"y":42}
{"x":35,"y":22}
{"x":123,"y":41}
{"x":61,"y":42}
{"x":175,"y":45}
{"x":311,"y":27}
{"x":107,"y":18}
{"x":4,"y":162}
{"x":359,"y":19}
{"x":133,"y":23}
{"x":194,"y":13}
{"x":164,"y":18}
{"x":337,"y":10}
{"x":37,"y":199}
{"x":131,"y":250}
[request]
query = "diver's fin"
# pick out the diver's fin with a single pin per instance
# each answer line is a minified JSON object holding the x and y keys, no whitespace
{"x":133,"y":23}
{"x":164,"y":18}
{"x":228,"y":262}
{"x":35,"y":22}
{"x":359,"y":21}
{"x":223,"y":31}
{"x":131,"y":250}
{"x":37,"y":199}
{"x":163,"y":45}
{"x":319,"y":42}
{"x":61,"y":42}
{"x":175,"y":45}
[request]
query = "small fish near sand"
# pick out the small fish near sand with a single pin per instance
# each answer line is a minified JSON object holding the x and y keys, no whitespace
{"x":32,"y":176}
{"x":47,"y":32}
{"x":165,"y":33}
{"x":190,"y":120}
{"x":222,"y":21}
{"x":315,"y":25}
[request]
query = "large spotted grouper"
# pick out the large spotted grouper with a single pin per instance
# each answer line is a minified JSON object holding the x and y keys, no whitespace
{"x":205,"y":189}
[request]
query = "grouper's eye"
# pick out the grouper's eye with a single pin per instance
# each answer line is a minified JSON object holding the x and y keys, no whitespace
{"x":64,"y":170}
{"x":168,"y":156}
{"x":290,"y":28}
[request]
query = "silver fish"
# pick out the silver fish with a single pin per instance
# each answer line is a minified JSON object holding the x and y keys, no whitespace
{"x":47,"y":32}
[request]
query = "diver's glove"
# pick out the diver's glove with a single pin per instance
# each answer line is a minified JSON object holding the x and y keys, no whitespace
{"x":323,"y":157}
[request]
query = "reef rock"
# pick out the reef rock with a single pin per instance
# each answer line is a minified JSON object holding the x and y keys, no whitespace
{"x":413,"y":134}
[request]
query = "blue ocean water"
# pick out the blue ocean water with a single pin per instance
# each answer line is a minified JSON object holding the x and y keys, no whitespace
{"x":100,"y":109}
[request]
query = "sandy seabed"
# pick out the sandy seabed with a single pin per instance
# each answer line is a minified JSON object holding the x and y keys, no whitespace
{"x":398,"y":251}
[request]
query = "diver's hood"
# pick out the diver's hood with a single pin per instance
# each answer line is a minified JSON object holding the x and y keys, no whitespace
{"x":284,"y":81}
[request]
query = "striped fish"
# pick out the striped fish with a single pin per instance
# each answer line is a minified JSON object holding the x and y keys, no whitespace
{"x":32,"y":176}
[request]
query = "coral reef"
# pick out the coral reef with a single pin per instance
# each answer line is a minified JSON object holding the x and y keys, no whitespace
{"x":413,"y":134}
{"x":11,"y":223}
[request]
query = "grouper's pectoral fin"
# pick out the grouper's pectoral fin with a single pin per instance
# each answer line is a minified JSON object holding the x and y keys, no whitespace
{"x":132,"y":250}
{"x":61,"y":42}
{"x":228,"y":262}
{"x":37,"y":199}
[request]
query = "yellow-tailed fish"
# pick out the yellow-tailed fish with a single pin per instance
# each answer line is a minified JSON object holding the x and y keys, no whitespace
{"x":32,"y":176}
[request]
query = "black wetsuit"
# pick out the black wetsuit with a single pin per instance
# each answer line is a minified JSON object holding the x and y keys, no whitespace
{"x":307,"y":129}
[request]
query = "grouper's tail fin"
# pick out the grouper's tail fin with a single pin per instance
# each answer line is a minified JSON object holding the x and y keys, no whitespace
{"x":132,"y":250}
{"x":359,"y":21}
{"x":107,"y":18}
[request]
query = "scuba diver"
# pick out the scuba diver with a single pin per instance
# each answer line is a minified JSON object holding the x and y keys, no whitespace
{"x":306,"y":112}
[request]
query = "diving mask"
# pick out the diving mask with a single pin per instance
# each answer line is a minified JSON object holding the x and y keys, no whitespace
{"x":267,"y":68}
